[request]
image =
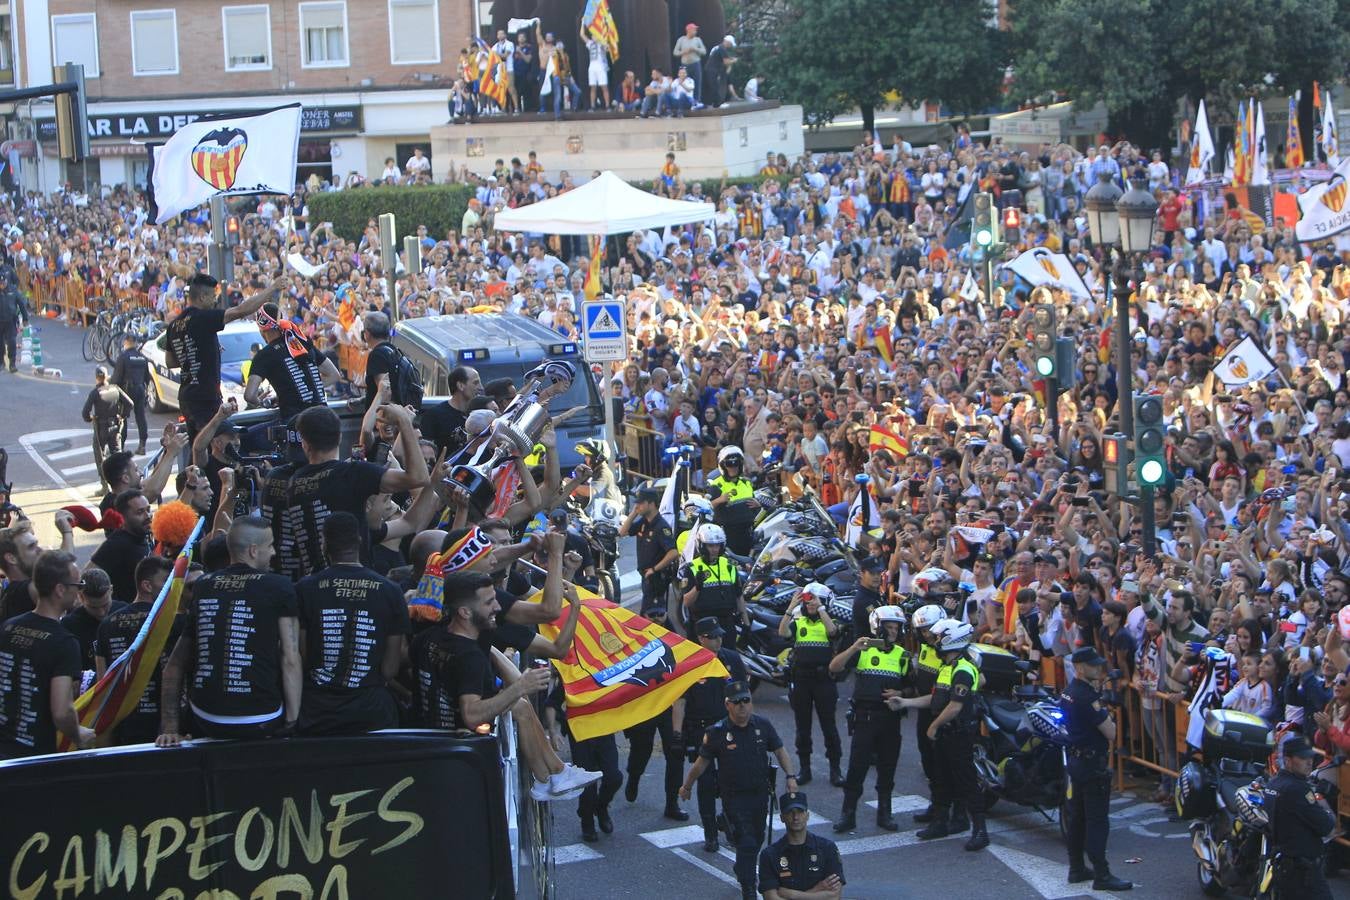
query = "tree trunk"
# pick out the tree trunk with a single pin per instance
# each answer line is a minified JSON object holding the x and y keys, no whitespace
{"x":1146,"y":125}
{"x":869,"y":116}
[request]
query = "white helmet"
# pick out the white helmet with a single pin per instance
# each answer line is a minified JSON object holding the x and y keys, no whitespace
{"x":927,"y":616}
{"x":711,"y":534}
{"x":955,"y":636}
{"x":819,"y":591}
{"x":699,"y":505}
{"x":883,"y":614}
{"x":729,"y":451}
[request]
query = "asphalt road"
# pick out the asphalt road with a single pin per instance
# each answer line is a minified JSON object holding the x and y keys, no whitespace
{"x":51,"y":465}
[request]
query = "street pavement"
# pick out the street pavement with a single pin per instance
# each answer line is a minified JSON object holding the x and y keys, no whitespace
{"x":648,"y":856}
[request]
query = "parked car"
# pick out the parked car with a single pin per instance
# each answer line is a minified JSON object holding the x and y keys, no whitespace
{"x":238,"y":342}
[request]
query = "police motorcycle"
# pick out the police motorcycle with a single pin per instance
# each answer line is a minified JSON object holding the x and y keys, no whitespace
{"x":1225,"y":797}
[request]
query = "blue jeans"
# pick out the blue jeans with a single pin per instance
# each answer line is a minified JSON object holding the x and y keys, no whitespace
{"x":556,"y":94}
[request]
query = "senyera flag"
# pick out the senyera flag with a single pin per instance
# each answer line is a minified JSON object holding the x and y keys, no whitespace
{"x":224,"y":155}
{"x":622,"y":669}
{"x":117,"y":694}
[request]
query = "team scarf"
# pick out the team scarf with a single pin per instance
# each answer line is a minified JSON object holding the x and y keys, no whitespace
{"x":427,"y":601}
{"x":295,"y":341}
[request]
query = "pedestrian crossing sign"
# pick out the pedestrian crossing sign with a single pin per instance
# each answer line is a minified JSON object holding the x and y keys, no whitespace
{"x":603,"y":330}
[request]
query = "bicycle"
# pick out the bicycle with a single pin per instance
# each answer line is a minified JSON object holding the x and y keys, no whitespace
{"x":95,"y":348}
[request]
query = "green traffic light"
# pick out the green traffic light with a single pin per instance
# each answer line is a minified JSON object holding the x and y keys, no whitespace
{"x":1151,"y":472}
{"x":1045,"y":365}
{"x":984,"y":237}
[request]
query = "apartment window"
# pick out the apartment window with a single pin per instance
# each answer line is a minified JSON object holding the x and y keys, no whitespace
{"x":414,"y":32}
{"x":75,"y":40}
{"x":323,"y":34}
{"x":248,"y":37}
{"x":154,"y":42}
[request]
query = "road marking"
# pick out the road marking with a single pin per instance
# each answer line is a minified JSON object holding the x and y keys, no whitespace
{"x":80,"y":470}
{"x":1048,"y":878}
{"x":66,"y":454}
{"x":666,"y":838}
{"x":903,"y":803}
{"x":706,"y":867}
{"x":573,"y":853}
{"x":27,"y":441}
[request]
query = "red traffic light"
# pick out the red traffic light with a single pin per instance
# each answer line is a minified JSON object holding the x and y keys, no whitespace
{"x":1111,"y":452}
{"x":232,"y":225}
{"x":1012,"y":217}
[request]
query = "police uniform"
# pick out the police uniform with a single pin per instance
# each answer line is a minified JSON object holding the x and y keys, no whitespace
{"x":811,"y":686}
{"x":737,"y":516}
{"x":1089,"y":770}
{"x":865,"y":599}
{"x":702,"y":708}
{"x":798,"y":867}
{"x":719,"y":591}
{"x":876,"y":731}
{"x":953,"y":753}
{"x":132,"y":374}
{"x":743,"y":775}
{"x":641,"y":742}
{"x":1302,"y":822}
{"x":654,"y":540}
{"x":924,"y":673}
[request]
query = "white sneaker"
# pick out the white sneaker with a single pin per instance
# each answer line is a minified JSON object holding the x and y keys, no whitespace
{"x":569,"y":779}
{"x":539,"y":791}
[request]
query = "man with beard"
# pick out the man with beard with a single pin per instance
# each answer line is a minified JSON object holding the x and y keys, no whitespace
{"x":96,"y":604}
{"x":128,"y":545}
{"x":19,"y":551}
{"x":115,"y":635}
{"x":465,"y":676}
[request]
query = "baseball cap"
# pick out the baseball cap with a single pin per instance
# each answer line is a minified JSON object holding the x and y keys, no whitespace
{"x":1087,"y":656}
{"x":708,"y":626}
{"x":649,"y":493}
{"x":789,"y":802}
{"x":738,"y":690}
{"x":1297,"y":747}
{"x":872,"y":564}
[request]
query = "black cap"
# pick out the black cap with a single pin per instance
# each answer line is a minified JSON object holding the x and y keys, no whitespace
{"x":738,"y":690}
{"x":872,"y":564}
{"x":201,"y":279}
{"x":1087,"y":656}
{"x":789,"y":802}
{"x":649,"y":493}
{"x":1297,"y":747}
{"x":708,"y":626}
{"x":558,"y":515}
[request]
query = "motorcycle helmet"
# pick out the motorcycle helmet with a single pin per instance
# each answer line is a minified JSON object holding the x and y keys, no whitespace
{"x":955,"y":636}
{"x":927,"y":616}
{"x":819,"y":591}
{"x":712,"y":534}
{"x":698,"y":507}
{"x":593,"y":449}
{"x":883,"y":614}
{"x":734,"y":455}
{"x":1195,"y":795}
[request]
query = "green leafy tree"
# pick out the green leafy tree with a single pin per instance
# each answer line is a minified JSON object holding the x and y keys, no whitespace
{"x":834,"y":56}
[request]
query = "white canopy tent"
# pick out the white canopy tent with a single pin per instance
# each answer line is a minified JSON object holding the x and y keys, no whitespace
{"x":605,"y":205}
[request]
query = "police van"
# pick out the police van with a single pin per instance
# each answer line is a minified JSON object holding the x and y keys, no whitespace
{"x":503,"y":346}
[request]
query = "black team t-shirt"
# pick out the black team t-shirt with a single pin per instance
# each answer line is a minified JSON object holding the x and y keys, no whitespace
{"x":348,"y":613}
{"x":85,"y":628}
{"x":33,"y":650}
{"x":447,"y":666}
{"x":297,"y":500}
{"x":296,"y":382}
{"x":233,"y":626}
{"x":115,"y":634}
{"x":192,"y":337}
{"x":118,"y":556}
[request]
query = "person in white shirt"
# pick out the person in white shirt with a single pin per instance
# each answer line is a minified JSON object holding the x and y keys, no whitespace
{"x":597,"y":72}
{"x":1253,"y":694}
{"x":681,"y":96}
{"x":685,"y":429}
{"x":391,"y":172}
{"x":752,"y":90}
{"x":417,"y":164}
{"x":658,"y":402}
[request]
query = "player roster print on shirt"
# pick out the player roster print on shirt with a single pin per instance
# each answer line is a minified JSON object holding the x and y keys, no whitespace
{"x":297,"y":500}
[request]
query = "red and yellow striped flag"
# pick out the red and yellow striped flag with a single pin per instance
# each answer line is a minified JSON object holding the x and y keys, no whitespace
{"x":600,"y":23}
{"x":622,"y":669}
{"x":592,"y":287}
{"x":1242,"y":149}
{"x":884,"y":439}
{"x":881,"y":336}
{"x":492,"y":82}
{"x":1293,"y":140}
{"x":118,"y":692}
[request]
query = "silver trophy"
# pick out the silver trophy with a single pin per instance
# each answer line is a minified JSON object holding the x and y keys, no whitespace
{"x":515,"y":431}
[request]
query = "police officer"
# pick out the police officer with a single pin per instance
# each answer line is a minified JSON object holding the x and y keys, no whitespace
{"x":107,"y":407}
{"x":808,"y":625}
{"x":698,"y":512}
{"x":733,"y":500}
{"x":131,"y":373}
{"x":927,"y":665}
{"x":13,"y":310}
{"x":1303,"y":820}
{"x":642,"y":740}
{"x":290,"y":363}
{"x":799,"y":861}
{"x":867,"y":597}
{"x":952,"y":731}
{"x":715,"y":586}
{"x":656,"y":552}
{"x":1091,"y":730}
{"x":882,"y":671}
{"x":740,"y":744}
{"x":695,"y":712}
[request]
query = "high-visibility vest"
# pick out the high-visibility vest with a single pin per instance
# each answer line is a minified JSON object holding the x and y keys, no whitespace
{"x":735,"y":490}
{"x":880,"y":670}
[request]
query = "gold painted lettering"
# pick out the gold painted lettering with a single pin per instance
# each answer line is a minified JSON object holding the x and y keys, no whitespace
{"x":274,"y":887}
{"x":311,"y":841}
{"x":201,"y":843}
{"x":253,"y":863}
{"x":414,"y":821}
{"x":109,"y":869}
{"x":72,"y":877}
{"x":335,"y":885}
{"x":170,"y":894}
{"x":155,"y":851}
{"x":31,"y":890}
{"x":336,"y":848}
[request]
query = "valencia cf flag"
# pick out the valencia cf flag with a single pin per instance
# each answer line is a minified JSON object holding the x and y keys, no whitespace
{"x":622,"y":669}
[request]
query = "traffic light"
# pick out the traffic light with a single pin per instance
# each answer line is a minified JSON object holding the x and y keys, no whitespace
{"x":1150,"y":433}
{"x":231,"y":231}
{"x":984,"y":226}
{"x":72,"y":128}
{"x":1012,"y":225}
{"x":1043,"y":340}
{"x":1115,"y":464}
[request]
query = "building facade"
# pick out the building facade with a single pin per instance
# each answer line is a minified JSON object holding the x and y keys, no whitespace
{"x":372,"y":75}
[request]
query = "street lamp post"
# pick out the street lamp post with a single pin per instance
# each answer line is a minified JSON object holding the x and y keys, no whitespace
{"x":1122,"y":225}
